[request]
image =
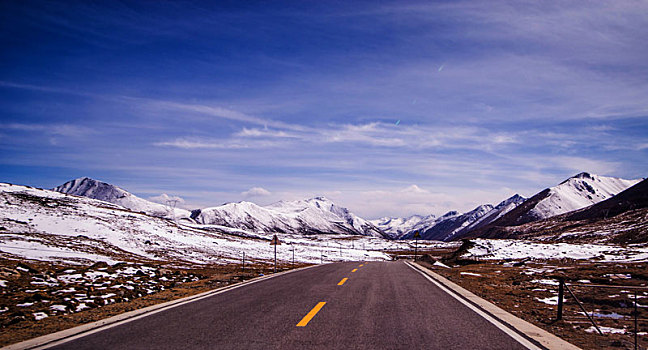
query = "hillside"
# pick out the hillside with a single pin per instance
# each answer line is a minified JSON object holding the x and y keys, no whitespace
{"x":95,"y":189}
{"x":620,"y":219}
{"x":577,"y":192}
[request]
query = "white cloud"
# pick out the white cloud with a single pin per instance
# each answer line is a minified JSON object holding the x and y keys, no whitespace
{"x":579,"y":164}
{"x":256,"y":132}
{"x":413,"y":200}
{"x":220,"y":112}
{"x":414,"y":189}
{"x":166,"y":199}
{"x":50,"y":129}
{"x":201,"y":143}
{"x":256,"y":192}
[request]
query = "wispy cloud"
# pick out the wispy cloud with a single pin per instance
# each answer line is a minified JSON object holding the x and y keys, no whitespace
{"x":220,"y":112}
{"x":255,"y":192}
{"x":51,"y":129}
{"x":199,"y":143}
{"x":256,"y":132}
{"x":167,"y":199}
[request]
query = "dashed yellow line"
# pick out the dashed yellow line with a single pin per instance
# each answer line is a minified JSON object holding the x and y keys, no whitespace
{"x":361,"y":265}
{"x":342,"y":281}
{"x":311,"y":314}
{"x":354,"y":270}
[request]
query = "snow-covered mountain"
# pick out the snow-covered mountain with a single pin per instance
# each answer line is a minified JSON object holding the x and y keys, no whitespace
{"x":87,"y":187}
{"x":622,"y":219}
{"x":448,"y":226}
{"x":312,"y":216}
{"x":578,"y":192}
{"x":395,"y":228}
{"x":498,"y":211}
{"x":45,"y":225}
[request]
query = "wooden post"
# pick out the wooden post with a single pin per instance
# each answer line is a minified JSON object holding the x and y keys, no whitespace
{"x":561,"y":292}
{"x":416,"y":237}
{"x":275,"y":242}
{"x":636,"y":330}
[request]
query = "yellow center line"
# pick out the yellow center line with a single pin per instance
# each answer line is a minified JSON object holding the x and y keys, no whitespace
{"x":361,"y":265}
{"x":354,"y":270}
{"x":311,"y":314}
{"x":342,"y":281}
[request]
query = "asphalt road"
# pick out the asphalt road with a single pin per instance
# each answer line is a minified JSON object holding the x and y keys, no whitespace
{"x":382,"y":305}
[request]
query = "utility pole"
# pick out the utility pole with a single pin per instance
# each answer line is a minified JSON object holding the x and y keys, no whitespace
{"x":416,"y":237}
{"x":275,"y":242}
{"x":293,"y":249}
{"x":243,"y":262}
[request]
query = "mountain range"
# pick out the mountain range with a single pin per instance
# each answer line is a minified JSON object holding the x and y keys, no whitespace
{"x":319,"y":215}
{"x":576,"y":192}
{"x":313,"y":216}
{"x":622,"y":218}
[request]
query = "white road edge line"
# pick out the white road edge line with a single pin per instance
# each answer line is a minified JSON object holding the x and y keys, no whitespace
{"x":64,"y":336}
{"x":520,"y":339}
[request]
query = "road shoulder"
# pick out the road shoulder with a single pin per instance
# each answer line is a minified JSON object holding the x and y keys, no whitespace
{"x":531,"y":331}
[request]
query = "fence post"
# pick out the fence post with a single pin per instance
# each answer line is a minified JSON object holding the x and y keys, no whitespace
{"x":636,"y":330}
{"x":561,"y":292}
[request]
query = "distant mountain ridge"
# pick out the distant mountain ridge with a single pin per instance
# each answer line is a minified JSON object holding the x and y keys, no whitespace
{"x":577,"y":192}
{"x":312,"y":216}
{"x":449,"y":225}
{"x":317,"y":215}
{"x":621,"y":219}
{"x":95,"y":189}
{"x":398,"y":227}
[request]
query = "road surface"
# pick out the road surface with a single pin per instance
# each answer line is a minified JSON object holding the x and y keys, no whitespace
{"x":380,"y":305}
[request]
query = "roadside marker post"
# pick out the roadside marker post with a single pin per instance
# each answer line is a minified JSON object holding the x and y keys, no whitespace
{"x":416,"y":237}
{"x":561,"y":293}
{"x":636,"y":325}
{"x":275,"y":242}
{"x":243,"y":266}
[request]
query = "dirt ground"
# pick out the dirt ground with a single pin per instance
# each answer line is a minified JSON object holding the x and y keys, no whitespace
{"x":70,"y":296}
{"x":529,"y":290}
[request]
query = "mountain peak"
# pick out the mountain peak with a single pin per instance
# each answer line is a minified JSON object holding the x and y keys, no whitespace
{"x":88,"y":187}
{"x":91,"y":188}
{"x":516,"y":198}
{"x":320,"y":199}
{"x":583,"y":175}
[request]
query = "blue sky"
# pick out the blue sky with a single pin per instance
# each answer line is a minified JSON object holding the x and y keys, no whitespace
{"x":226,"y":101}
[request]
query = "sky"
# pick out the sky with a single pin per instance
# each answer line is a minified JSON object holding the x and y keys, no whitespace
{"x":387,"y":108}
